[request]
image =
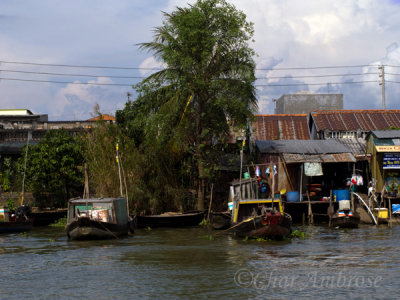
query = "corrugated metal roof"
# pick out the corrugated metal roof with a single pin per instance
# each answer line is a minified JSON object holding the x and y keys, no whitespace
{"x":386,"y":134}
{"x":302,"y":147}
{"x":323,"y":158}
{"x":281,"y":127}
{"x":357,"y":146}
{"x":353,"y":120}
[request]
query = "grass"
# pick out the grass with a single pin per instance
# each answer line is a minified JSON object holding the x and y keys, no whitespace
{"x":62,"y":222}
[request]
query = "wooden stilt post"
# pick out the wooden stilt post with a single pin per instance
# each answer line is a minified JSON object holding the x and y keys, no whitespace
{"x":310,"y":213}
{"x":330,"y":209}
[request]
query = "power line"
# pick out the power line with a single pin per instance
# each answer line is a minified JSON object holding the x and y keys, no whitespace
{"x":130,"y":85}
{"x":144,"y":68}
{"x":318,"y":67}
{"x":318,"y":76}
{"x":77,"y":66}
{"x":78,"y":75}
{"x":142,"y":77}
{"x":66,"y":82}
{"x":326,"y":83}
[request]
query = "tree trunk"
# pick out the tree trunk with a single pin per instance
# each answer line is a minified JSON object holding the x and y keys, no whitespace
{"x":202,"y":184}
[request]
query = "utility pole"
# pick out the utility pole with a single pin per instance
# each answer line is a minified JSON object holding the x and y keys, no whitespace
{"x":382,"y":75}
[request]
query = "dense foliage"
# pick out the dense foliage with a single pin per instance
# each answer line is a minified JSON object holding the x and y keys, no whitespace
{"x":184,"y":113}
{"x":54,"y":168}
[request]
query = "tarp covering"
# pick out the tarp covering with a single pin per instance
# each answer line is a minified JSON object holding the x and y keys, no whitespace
{"x":313,"y":169}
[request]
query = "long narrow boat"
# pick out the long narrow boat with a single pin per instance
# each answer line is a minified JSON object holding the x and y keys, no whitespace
{"x":254,"y":217}
{"x":97,"y":218}
{"x":171,"y":219}
{"x":15,"y":221}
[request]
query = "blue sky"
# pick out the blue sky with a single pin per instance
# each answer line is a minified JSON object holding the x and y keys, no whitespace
{"x":288,"y":34}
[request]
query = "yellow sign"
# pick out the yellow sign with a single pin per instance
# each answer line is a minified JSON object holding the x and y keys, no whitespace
{"x":388,"y":148}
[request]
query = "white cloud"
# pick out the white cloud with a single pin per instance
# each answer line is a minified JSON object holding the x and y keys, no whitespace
{"x":288,"y":33}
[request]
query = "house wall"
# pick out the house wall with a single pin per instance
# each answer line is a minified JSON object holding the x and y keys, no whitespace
{"x":376,"y":163}
{"x":305,"y":103}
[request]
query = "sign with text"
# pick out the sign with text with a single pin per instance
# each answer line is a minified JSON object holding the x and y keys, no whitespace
{"x":391,"y":161}
{"x":389,"y":148}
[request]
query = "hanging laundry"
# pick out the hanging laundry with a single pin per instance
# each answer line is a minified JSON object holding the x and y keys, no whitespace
{"x":258,"y":173}
{"x":275,"y":170}
{"x":313,"y":169}
{"x":268,"y":171}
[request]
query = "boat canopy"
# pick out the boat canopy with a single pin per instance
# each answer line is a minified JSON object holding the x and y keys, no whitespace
{"x":116,"y":208}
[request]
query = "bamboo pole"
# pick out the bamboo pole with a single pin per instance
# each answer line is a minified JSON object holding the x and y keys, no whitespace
{"x":209,"y":206}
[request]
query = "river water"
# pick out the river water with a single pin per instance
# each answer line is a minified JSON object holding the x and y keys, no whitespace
{"x":185,"y":263}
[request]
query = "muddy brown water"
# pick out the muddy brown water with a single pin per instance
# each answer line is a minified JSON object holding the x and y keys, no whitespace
{"x":184,"y":263}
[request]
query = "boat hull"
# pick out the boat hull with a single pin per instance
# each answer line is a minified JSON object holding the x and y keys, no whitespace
{"x":175,"y":220}
{"x":220,"y":220}
{"x":254,"y":228}
{"x":345,"y":221}
{"x":17,"y":226}
{"x":87,"y":229}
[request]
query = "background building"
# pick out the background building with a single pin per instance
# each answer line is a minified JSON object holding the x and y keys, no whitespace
{"x":304,"y":103}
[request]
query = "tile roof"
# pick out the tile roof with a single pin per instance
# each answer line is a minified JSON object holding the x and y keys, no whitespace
{"x":281,"y":127}
{"x":353,"y":120}
{"x":104,"y":117}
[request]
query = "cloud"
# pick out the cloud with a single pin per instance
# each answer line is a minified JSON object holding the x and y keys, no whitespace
{"x":288,"y":33}
{"x":76,"y":101}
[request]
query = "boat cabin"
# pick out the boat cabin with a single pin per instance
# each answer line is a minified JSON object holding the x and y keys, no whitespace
{"x":244,"y":195}
{"x":110,"y":210}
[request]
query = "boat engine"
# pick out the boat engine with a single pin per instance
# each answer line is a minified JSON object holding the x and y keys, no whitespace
{"x":22,"y":211}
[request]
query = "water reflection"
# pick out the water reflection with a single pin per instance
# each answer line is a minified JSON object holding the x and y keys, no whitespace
{"x":184,"y":263}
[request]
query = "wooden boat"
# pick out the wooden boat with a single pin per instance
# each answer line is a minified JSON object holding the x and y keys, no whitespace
{"x":15,"y":221}
{"x":345,"y":219}
{"x":345,"y":216}
{"x":220,"y":220}
{"x":254,"y":217}
{"x":171,"y":219}
{"x":98,"y":218}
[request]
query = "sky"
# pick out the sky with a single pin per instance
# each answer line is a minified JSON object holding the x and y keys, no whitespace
{"x":301,"y":45}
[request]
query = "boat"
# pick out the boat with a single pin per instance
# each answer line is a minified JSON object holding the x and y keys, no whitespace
{"x":171,"y":219}
{"x":345,"y":216}
{"x":98,"y":218}
{"x":255,"y":217}
{"x":15,"y":220}
{"x":220,"y":220}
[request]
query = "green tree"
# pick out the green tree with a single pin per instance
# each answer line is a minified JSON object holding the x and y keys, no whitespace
{"x":205,"y":89}
{"x":54,"y":167}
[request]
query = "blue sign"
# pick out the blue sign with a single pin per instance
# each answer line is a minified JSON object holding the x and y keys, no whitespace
{"x":391,"y":160}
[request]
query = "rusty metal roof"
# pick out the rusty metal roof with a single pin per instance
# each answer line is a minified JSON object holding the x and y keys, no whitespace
{"x":281,"y":127}
{"x":324,"y":158}
{"x":353,"y":120}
